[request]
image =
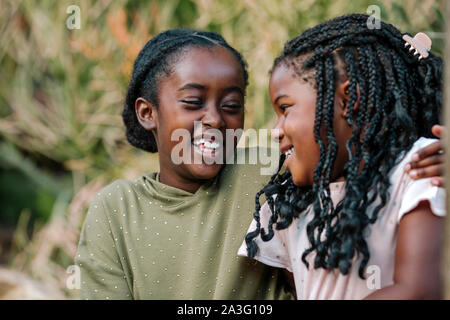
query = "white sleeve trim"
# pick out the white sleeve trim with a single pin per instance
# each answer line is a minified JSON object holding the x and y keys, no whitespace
{"x":422,"y":190}
{"x":263,"y":259}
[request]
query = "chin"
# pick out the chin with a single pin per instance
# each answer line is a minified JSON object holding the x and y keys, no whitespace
{"x":205,"y":171}
{"x":301,"y":180}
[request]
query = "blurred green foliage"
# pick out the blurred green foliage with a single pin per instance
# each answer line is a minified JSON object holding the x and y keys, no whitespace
{"x":61,"y":90}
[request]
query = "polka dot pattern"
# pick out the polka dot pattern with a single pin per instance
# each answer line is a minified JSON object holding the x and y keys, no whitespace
{"x":146,"y":240}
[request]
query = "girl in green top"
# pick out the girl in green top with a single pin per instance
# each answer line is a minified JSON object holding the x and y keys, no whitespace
{"x":174,"y":234}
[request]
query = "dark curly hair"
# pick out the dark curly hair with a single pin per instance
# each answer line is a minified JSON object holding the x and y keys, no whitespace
{"x":400,"y":100}
{"x":153,"y":63}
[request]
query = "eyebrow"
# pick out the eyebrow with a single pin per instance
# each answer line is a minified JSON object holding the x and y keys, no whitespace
{"x":279,"y":97}
{"x":192,"y":86}
{"x":235,"y":88}
{"x":201,"y":87}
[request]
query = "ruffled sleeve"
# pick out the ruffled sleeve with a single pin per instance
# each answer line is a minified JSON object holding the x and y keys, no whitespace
{"x":422,"y":190}
{"x":273,"y":252}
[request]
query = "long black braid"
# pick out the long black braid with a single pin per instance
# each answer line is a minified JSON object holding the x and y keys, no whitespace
{"x":154,"y":62}
{"x":400,"y":100}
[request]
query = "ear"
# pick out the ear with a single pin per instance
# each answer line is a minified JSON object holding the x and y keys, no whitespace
{"x":146,"y":113}
{"x":343,"y":96}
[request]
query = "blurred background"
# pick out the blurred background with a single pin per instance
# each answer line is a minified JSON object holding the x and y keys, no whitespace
{"x":61,"y":95}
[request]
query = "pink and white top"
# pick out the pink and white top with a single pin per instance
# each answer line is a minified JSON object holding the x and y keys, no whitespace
{"x":285,"y":249}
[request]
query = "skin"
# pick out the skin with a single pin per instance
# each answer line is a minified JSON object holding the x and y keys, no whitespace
{"x":207,"y":85}
{"x":417,"y":262}
{"x":294,"y":102}
{"x":429,"y":161}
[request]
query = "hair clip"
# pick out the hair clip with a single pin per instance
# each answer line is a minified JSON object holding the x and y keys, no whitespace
{"x":421,"y":43}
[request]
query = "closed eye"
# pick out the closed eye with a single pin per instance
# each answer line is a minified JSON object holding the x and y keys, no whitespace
{"x":283,"y":107}
{"x":192,"y":102}
{"x":232,"y":106}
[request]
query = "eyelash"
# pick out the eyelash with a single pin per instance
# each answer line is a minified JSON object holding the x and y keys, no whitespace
{"x":283,"y":107}
{"x":199,"y":103}
{"x":232,"y":106}
{"x":193,"y":102}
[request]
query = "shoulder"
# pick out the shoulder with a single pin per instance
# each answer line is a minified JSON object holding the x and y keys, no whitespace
{"x":123,"y":187}
{"x":419,"y":144}
{"x":412,"y":191}
{"x":398,"y":171}
{"x":117,"y":193}
{"x":112,"y":190}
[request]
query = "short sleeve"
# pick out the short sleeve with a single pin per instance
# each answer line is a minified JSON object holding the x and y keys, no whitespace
{"x":416,"y":191}
{"x":273,"y":252}
{"x":422,"y":190}
{"x":102,"y":275}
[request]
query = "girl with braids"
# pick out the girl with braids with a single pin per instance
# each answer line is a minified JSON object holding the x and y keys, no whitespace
{"x":353,"y":106}
{"x":173,"y":234}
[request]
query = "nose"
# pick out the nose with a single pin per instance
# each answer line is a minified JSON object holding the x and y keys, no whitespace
{"x":277,"y":132}
{"x":213,"y":118}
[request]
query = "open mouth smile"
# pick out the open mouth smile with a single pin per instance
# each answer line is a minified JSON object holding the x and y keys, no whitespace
{"x":207,"y":147}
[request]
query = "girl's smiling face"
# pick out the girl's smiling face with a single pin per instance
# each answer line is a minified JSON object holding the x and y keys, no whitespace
{"x":294,"y":102}
{"x":205,"y":85}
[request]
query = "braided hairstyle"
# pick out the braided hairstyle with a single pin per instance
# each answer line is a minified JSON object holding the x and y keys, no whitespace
{"x":400,"y":100}
{"x":154,"y":62}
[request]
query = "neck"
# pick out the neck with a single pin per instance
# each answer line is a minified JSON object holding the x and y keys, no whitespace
{"x":179,"y":182}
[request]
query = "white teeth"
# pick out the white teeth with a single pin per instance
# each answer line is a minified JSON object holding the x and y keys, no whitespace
{"x":289,"y":152}
{"x":212,"y":145}
{"x":206,"y":144}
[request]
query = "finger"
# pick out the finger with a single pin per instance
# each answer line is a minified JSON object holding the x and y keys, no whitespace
{"x":428,"y":161}
{"x":437,"y":181}
{"x":438,"y":130}
{"x":436,"y":170}
{"x":430,"y":149}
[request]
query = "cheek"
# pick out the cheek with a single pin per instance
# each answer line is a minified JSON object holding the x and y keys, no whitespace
{"x":177,"y":123}
{"x":234,"y":121}
{"x":299,"y":129}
